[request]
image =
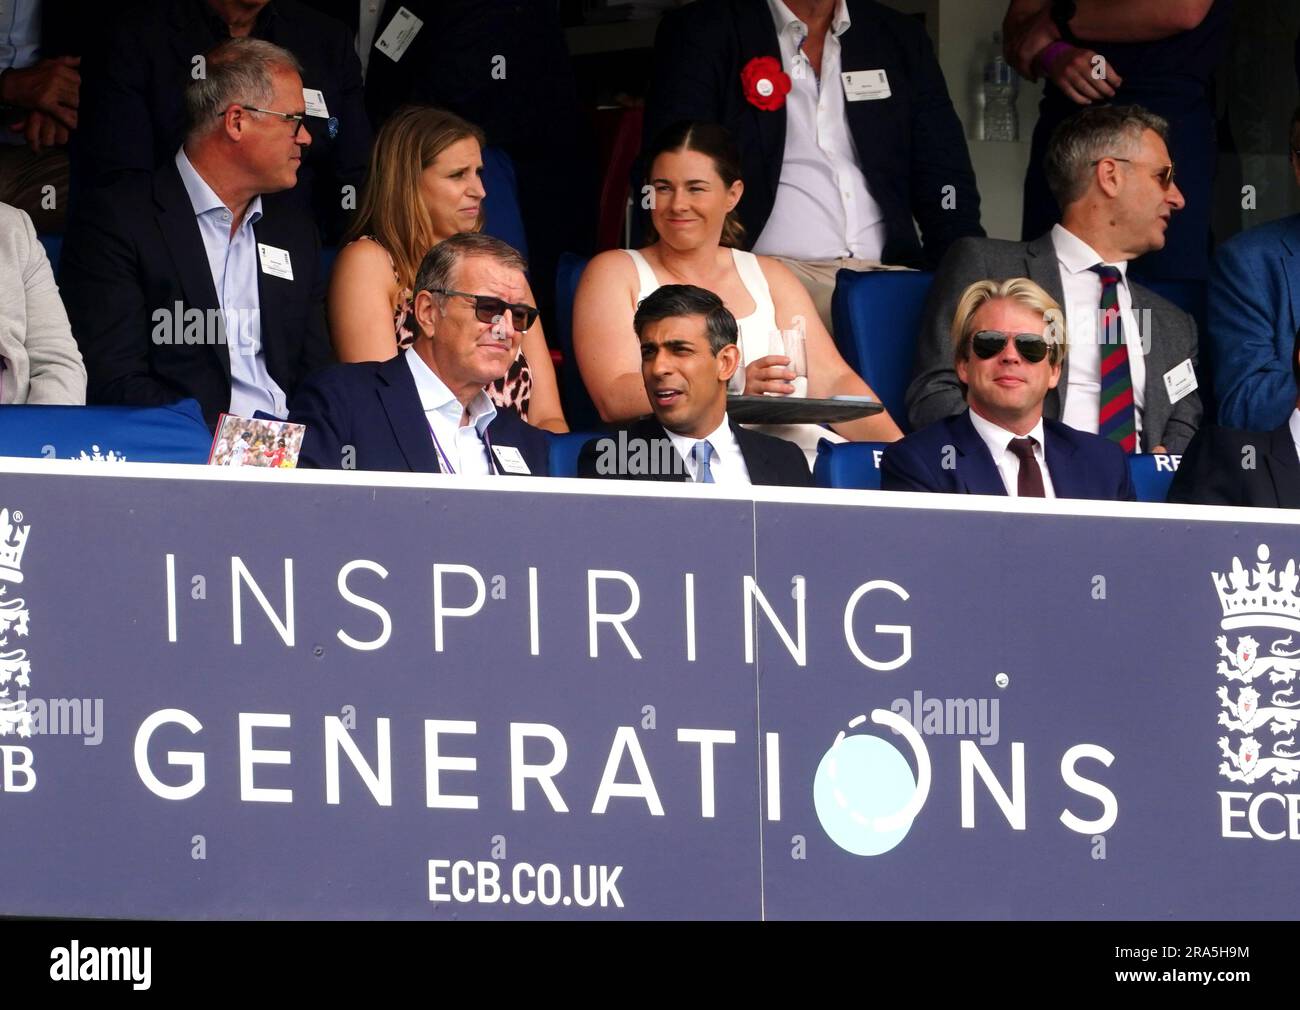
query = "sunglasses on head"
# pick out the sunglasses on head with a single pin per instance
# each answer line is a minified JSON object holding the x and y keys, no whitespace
{"x":488,"y":308}
{"x":1033,"y":347}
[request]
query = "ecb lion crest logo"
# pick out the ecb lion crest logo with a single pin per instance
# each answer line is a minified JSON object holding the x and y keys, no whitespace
{"x":1261,"y":598}
{"x":15,"y":664}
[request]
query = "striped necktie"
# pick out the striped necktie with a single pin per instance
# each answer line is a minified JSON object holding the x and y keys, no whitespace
{"x":1116,"y":420}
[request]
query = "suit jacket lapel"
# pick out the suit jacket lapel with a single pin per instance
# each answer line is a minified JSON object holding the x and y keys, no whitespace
{"x":653,"y":434}
{"x":180,"y":229}
{"x":401,"y":402}
{"x":1068,"y":480}
{"x":757,"y":462}
{"x":1284,"y":467}
{"x":1291,"y":262}
{"x":757,"y":34}
{"x":976,"y":471}
{"x":270,"y":298}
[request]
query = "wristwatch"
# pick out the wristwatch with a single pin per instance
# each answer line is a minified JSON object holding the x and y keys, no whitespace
{"x":1063,"y":12}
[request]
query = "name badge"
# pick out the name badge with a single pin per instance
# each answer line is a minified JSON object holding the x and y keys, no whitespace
{"x":1180,"y":380}
{"x":511,"y":460}
{"x":275,"y":261}
{"x":398,"y":35}
{"x":865,"y":85}
{"x":315,"y":102}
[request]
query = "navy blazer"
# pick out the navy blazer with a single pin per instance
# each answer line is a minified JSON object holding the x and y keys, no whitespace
{"x":910,"y":146}
{"x":1212,"y":471}
{"x":374,"y":408}
{"x":132,"y":116}
{"x":769,"y":460}
{"x":1081,"y":465}
{"x":138,"y":250}
{"x":1253,"y":312}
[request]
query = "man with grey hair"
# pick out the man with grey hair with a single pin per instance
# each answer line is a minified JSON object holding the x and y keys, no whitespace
{"x":427,"y":410}
{"x":203,"y":280}
{"x":1131,"y":374}
{"x":132,"y":116}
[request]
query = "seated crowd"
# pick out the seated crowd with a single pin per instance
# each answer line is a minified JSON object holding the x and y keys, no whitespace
{"x":196,"y":271}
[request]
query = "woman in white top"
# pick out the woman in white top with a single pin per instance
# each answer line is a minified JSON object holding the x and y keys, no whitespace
{"x":694,"y":175}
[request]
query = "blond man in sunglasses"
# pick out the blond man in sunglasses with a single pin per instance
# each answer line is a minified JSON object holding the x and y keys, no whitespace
{"x":428,"y":410}
{"x":1008,"y":349}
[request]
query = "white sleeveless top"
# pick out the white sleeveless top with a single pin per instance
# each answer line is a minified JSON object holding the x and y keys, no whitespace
{"x":755,"y":336}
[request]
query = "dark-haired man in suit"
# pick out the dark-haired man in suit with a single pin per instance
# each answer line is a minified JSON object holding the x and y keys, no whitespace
{"x":688,"y":352}
{"x":1225,"y":466}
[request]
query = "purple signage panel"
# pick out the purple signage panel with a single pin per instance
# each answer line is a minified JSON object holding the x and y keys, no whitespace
{"x":307,"y":695}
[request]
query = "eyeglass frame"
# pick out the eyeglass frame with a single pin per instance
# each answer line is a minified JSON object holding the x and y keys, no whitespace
{"x":531,"y":311}
{"x":1051,"y":354}
{"x":300,"y":118}
{"x":1166,"y":175}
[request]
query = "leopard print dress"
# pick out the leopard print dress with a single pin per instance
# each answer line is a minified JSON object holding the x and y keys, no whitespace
{"x":511,"y":392}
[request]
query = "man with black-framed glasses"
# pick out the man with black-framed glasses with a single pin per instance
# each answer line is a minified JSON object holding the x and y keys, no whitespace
{"x":427,"y":410}
{"x":203,"y":280}
{"x":1132,"y":374}
{"x":1008,"y":346}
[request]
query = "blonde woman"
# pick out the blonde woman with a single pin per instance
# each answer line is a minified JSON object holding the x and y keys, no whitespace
{"x":425,"y":185}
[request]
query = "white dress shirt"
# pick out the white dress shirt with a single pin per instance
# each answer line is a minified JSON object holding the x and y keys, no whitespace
{"x":823,"y":210}
{"x":233,"y":263}
{"x":367,"y":27}
{"x":1082,"y":288}
{"x":1008,"y":463}
{"x":727,"y":464}
{"x":1294,"y":424}
{"x":461,"y":449}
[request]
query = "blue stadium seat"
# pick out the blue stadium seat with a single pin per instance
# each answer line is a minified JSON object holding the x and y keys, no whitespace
{"x":565,"y":450}
{"x":502,"y":216}
{"x":1152,"y":475}
{"x":53,"y":246}
{"x":579,"y":411}
{"x":877,"y":315}
{"x":848,"y":464}
{"x":172,"y":434}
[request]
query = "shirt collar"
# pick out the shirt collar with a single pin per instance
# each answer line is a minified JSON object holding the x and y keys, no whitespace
{"x":437,"y":398}
{"x":1076,"y":255}
{"x":202,"y":197}
{"x":786,"y":20}
{"x":998,"y":438}
{"x":721,"y":437}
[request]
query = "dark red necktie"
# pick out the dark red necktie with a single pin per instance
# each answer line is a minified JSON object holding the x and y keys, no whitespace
{"x":1030,"y":482}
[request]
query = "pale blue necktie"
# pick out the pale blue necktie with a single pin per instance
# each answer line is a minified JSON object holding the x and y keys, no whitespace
{"x":702,"y":452}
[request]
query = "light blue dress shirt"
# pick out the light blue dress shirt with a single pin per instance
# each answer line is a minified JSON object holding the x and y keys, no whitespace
{"x":20,"y":45}
{"x":233,"y":262}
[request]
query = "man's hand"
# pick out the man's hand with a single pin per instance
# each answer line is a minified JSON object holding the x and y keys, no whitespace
{"x":52,"y":86}
{"x":1073,"y":70}
{"x":770,"y":374}
{"x":41,"y":131}
{"x":1026,"y":32}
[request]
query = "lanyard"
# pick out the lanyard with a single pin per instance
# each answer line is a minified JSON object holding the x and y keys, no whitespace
{"x":446,"y":462}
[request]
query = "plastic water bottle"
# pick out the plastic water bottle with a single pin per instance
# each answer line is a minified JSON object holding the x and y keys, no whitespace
{"x":1001,"y":84}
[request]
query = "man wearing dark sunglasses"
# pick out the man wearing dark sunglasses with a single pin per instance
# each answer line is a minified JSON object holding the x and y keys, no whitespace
{"x":1131,"y":374}
{"x":1008,"y":348}
{"x":427,"y":410}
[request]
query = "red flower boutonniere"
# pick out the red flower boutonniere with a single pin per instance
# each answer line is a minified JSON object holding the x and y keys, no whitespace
{"x":764,"y":82}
